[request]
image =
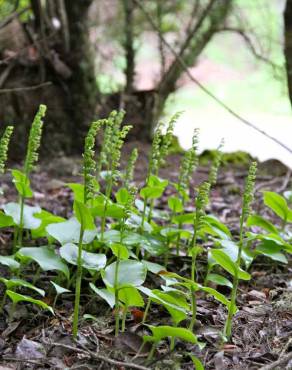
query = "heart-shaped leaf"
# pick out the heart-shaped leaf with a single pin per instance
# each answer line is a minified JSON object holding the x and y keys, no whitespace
{"x":129,"y":273}
{"x":29,"y":220}
{"x":5,"y":220}
{"x":120,"y":251}
{"x":105,"y":294}
{"x":131,"y":297}
{"x":46,"y":258}
{"x":10,"y":262}
{"x":90,"y":261}
{"x":69,"y":232}
{"x":46,"y":218}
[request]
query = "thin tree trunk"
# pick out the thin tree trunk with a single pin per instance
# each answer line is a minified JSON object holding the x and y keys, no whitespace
{"x":82,"y":85}
{"x":288,"y":44}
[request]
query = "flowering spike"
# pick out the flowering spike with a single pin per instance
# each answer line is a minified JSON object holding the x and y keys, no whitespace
{"x":248,"y":194}
{"x":216,"y":164}
{"x":89,"y":165}
{"x":129,"y":175}
{"x":4,"y":143}
{"x":189,"y":163}
{"x":34,"y":140}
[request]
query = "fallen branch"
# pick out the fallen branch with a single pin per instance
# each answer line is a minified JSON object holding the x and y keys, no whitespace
{"x":99,"y":357}
{"x":25,"y":88}
{"x":282,"y":361}
{"x":203,"y":88}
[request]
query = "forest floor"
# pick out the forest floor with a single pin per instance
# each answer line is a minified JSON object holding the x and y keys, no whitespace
{"x":262,"y":328}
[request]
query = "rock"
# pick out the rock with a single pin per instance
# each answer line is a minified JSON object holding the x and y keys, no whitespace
{"x":28,"y":349}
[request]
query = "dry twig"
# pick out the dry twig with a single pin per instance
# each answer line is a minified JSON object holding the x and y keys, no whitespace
{"x":95,"y":356}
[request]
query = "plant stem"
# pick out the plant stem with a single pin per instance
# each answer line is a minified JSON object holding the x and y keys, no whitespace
{"x":124,"y":318}
{"x":150,"y":210}
{"x":194,"y":309}
{"x":144,"y":213}
{"x":117,"y":314}
{"x":178,"y":240}
{"x":20,"y":231}
{"x":232,"y":305}
{"x":146,"y":311}
{"x":78,"y":284}
{"x":3,"y":301}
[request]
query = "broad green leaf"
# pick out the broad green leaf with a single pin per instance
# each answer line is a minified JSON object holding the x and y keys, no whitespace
{"x":46,"y":258}
{"x":227,"y":264}
{"x":131,"y":297}
{"x":78,"y":191}
{"x":69,"y":232}
{"x":83,"y":215}
{"x":46,"y":218}
{"x":171,"y":232}
{"x":15,"y":297}
{"x":112,"y":210}
{"x":153,"y":192}
{"x":154,"y":246}
{"x":10,"y":262}
{"x":22,"y":183}
{"x":5,"y":220}
{"x":161,"y":332}
{"x":129,"y":238}
{"x":122,"y":196}
{"x":218,"y":296}
{"x":129,"y":273}
{"x":172,"y":301}
{"x":175,"y":204}
{"x":277,"y":203}
{"x":29,"y":219}
{"x":214,"y":227}
{"x":157,"y":181}
{"x":231,"y":249}
{"x":11,"y":283}
{"x":120,"y":251}
{"x":157,"y":299}
{"x":220,"y":280}
{"x":105,"y":294}
{"x":272,"y":250}
{"x":134,"y":222}
{"x":59,"y":289}
{"x":186,"y":218}
{"x":90,"y":261}
{"x":256,"y":220}
{"x":155,"y":268}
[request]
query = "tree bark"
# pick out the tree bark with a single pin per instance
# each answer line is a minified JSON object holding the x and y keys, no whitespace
{"x":82,"y":84}
{"x":288,"y":45}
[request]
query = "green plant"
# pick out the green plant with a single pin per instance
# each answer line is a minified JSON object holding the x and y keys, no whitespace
{"x":4,"y":144}
{"x":117,"y":234}
{"x":229,"y":265}
{"x":21,"y":178}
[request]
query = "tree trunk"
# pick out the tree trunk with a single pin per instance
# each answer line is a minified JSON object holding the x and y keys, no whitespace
{"x":288,"y":45}
{"x":66,"y":61}
{"x":82,"y":84}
